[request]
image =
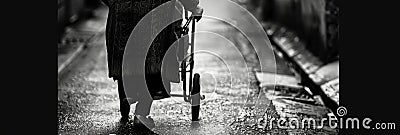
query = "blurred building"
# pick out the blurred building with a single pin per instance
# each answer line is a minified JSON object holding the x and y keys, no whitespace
{"x":314,"y":21}
{"x":70,"y":11}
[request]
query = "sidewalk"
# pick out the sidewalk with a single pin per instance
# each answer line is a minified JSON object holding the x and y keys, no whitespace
{"x":78,"y":36}
{"x":234,"y":104}
{"x":285,"y":98}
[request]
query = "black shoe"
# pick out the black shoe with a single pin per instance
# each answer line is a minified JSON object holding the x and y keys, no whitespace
{"x":143,"y":122}
{"x":124,"y":120}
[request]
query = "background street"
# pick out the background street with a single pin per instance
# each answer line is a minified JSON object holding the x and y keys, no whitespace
{"x":236,"y":102}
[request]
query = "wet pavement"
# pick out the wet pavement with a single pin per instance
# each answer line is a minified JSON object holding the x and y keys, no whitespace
{"x":77,"y":36}
{"x":236,"y":102}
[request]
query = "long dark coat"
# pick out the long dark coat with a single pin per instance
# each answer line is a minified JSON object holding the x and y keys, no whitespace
{"x":122,"y":18}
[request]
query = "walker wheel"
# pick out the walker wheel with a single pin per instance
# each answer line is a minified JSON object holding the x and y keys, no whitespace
{"x":196,"y":97}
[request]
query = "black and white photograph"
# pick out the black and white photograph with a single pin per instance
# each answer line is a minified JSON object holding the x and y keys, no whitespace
{"x":200,"y":67}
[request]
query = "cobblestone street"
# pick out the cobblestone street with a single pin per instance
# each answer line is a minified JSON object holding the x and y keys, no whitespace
{"x":236,"y":101}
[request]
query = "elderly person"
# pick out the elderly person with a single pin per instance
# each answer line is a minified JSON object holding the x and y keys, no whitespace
{"x":122,"y":18}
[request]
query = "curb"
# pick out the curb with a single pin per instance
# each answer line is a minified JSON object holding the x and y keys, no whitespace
{"x":70,"y":59}
{"x":78,"y":51}
{"x":94,"y":32}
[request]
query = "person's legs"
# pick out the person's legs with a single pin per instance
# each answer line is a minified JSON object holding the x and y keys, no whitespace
{"x":143,"y":106}
{"x":142,"y":112}
{"x":124,"y":105}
